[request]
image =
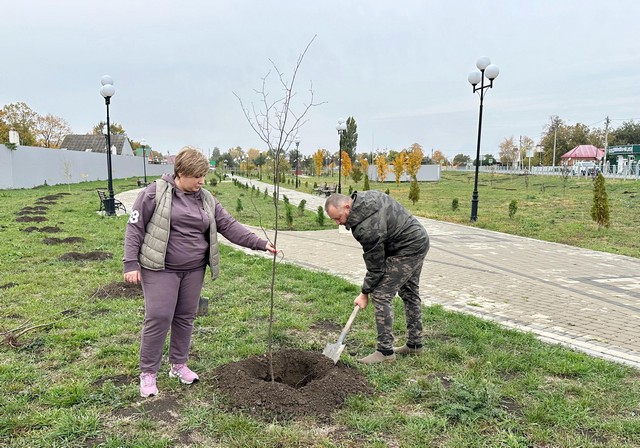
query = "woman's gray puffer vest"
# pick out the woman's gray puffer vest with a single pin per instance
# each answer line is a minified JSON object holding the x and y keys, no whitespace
{"x":156,"y":238}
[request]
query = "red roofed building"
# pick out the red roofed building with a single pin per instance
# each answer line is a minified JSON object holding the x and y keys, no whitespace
{"x":583,"y":153}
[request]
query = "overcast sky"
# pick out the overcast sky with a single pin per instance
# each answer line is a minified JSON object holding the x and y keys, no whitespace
{"x":398,"y":67}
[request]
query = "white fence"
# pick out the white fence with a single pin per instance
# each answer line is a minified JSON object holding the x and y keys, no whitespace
{"x":29,"y":166}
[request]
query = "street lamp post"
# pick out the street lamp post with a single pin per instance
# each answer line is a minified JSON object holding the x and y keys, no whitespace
{"x":296,"y":140}
{"x":490,"y":71}
{"x":341,"y":127}
{"x":107,"y":91}
{"x":143,"y":145}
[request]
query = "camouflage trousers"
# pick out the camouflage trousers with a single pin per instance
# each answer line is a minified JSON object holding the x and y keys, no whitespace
{"x":402,"y":277}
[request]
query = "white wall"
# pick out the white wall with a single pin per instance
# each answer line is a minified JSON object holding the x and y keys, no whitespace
{"x":426,"y":173}
{"x":29,"y":166}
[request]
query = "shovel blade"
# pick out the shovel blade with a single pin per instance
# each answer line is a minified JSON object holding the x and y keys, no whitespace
{"x":333,"y":352}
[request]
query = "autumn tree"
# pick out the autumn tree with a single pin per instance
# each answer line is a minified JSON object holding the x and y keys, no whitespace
{"x":51,"y":130}
{"x":461,"y":159}
{"x":4,"y":129}
{"x":318,"y":160}
{"x":23,"y":119}
{"x":115,"y":128}
{"x":364,"y":163}
{"x":508,"y":151}
{"x":346,"y":164}
{"x":438,"y":157}
{"x":382,"y":166}
{"x":400,"y":165}
{"x":414,"y":159}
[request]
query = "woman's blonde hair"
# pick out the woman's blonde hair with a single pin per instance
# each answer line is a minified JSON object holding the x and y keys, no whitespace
{"x":190,"y":163}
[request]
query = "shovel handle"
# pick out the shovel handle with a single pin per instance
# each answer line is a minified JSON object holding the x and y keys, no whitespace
{"x":348,"y":325}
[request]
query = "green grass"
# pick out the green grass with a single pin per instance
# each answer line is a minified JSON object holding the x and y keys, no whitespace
{"x":548,"y":208}
{"x":73,"y":383}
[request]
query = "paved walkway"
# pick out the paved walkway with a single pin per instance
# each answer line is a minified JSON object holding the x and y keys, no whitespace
{"x":580,"y":298}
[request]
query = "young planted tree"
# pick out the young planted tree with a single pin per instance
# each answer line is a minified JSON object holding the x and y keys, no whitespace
{"x":277,"y":119}
{"x":399,"y":165}
{"x":346,"y":165}
{"x":414,"y":159}
{"x":600,"y":207}
{"x":382,"y":166}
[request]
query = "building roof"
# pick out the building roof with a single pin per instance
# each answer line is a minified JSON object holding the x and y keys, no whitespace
{"x":96,"y":143}
{"x":588,"y":152}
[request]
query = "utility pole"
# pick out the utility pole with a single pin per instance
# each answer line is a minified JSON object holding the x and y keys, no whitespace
{"x":606,"y":144}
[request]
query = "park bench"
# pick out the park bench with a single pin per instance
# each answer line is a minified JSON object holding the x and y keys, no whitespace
{"x":117,"y":204}
{"x":328,"y":191}
{"x":320,"y":190}
{"x":142,"y":183}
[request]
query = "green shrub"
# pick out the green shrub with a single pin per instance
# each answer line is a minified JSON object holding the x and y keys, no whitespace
{"x":289,"y":214}
{"x":366,"y":183}
{"x":301,"y":206}
{"x":513,"y":208}
{"x":320,"y":216}
{"x":414,"y":191}
{"x":600,"y":207}
{"x":239,"y":207}
{"x":455,"y":204}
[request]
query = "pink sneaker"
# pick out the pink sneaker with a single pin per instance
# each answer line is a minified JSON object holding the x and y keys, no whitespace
{"x":148,"y":384}
{"x":186,"y":375}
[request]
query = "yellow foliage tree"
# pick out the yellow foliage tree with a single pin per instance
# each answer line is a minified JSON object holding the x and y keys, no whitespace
{"x":399,"y":165}
{"x":382,"y":166}
{"x":438,"y":158}
{"x":318,"y":160}
{"x":364,"y":163}
{"x":414,"y":159}
{"x":346,"y":164}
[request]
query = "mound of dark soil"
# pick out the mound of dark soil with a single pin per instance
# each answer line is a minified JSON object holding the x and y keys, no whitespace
{"x":47,"y":229}
{"x":53,"y":197}
{"x":54,"y":241}
{"x":306,"y":383}
{"x":88,"y":256}
{"x":32,"y":212}
{"x":31,"y":219}
{"x":119,"y":290}
{"x":37,"y":208}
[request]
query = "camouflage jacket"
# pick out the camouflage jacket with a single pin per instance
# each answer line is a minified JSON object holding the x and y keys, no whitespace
{"x":384,"y":228}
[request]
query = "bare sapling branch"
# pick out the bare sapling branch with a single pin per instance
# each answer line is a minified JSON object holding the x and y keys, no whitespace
{"x":276,"y":122}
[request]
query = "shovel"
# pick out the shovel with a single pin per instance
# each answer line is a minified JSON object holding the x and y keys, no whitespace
{"x":333,"y":351}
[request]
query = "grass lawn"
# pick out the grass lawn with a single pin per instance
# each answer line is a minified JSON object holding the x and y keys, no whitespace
{"x":549,"y":208}
{"x":72,"y":381}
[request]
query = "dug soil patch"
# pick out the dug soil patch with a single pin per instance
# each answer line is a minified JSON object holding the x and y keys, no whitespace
{"x":88,"y":256}
{"x":119,"y":290}
{"x":306,"y":384}
{"x":31,"y":219}
{"x":48,"y":229}
{"x":71,"y":239}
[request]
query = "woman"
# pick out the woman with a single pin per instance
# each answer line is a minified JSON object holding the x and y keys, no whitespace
{"x":170,"y":239}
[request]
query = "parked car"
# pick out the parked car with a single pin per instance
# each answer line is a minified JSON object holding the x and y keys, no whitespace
{"x":584,"y":168}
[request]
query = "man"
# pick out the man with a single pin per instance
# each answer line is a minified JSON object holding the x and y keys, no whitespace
{"x":395,"y":245}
